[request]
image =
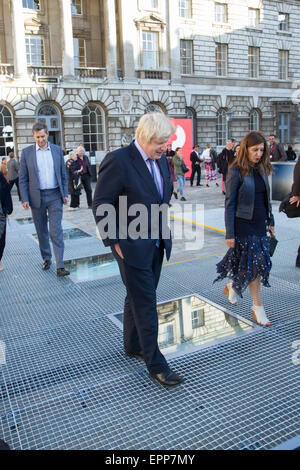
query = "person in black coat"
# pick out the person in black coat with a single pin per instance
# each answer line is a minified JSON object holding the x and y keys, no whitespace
{"x":138,"y":176}
{"x":196,"y":165}
{"x":6,"y":208}
{"x":291,"y":155}
{"x":295,"y":199}
{"x":225,"y":158}
{"x":74,"y":186}
{"x":86,"y":174}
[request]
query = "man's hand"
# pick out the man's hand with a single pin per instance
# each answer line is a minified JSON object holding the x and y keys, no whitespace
{"x":118,"y":250}
{"x":66,"y":200}
{"x":230,"y":242}
{"x":26,"y":205}
{"x":295,"y":199}
{"x":271,"y":229}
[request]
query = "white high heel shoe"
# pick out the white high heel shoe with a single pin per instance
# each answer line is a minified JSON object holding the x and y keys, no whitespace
{"x":228,"y":290}
{"x":260,"y":316}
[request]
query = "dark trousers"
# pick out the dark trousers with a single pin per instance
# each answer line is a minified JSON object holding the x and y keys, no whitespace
{"x":196,"y":169}
{"x":2,"y":243}
{"x":16,"y":182}
{"x":75,"y":201}
{"x":140,"y":312}
{"x":298,"y":258}
{"x":86,"y":182}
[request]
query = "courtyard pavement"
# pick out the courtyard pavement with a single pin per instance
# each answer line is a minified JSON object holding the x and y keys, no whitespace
{"x":65,"y":382}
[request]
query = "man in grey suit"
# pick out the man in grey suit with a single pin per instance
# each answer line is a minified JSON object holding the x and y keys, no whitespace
{"x":44,"y":188}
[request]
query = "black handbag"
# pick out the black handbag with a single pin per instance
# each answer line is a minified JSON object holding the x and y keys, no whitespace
{"x":291,"y":210}
{"x":272,"y":242}
{"x":184,"y":168}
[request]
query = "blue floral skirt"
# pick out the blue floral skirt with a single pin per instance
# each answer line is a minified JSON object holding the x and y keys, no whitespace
{"x":248,"y":260}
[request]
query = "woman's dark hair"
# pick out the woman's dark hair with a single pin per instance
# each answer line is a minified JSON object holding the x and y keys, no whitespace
{"x":242,"y":160}
{"x":178,"y":148}
{"x":39,"y":126}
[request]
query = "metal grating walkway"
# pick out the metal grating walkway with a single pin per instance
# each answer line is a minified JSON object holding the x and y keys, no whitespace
{"x":68,"y":385}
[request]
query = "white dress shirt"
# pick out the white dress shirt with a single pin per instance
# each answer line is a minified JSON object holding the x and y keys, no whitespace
{"x":45,"y":166}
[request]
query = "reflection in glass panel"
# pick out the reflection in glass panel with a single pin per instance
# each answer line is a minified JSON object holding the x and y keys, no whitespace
{"x":93,"y":267}
{"x":191,"y":322}
{"x":71,"y":234}
{"x":25,"y":221}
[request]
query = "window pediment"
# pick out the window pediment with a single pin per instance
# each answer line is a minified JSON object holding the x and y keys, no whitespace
{"x":150,"y":21}
{"x":34,"y":26}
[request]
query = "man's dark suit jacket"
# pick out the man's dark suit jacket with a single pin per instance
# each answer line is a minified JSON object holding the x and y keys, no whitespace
{"x":125,"y":173}
{"x":194,"y":158}
{"x":296,"y":182}
{"x":5,"y":196}
{"x":278,"y":154}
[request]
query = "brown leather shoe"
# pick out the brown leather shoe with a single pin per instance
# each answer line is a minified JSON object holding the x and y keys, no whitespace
{"x":168,"y":379}
{"x":61,"y":272}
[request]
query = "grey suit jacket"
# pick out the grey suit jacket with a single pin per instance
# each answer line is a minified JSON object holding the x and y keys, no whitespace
{"x":28,"y":175}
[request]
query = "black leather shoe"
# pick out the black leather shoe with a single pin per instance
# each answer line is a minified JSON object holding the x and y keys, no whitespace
{"x":62,"y":272}
{"x":168,"y":379}
{"x":137,"y":354}
{"x":46,"y":265}
{"x":297,"y":265}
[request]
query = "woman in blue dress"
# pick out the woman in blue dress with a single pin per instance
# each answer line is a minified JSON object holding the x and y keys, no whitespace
{"x":248,"y":216}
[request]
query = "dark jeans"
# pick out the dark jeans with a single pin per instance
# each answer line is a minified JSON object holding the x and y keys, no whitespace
{"x":140,"y":312}
{"x":196,"y":169}
{"x":16,"y":182}
{"x":2,"y":243}
{"x":86,"y":182}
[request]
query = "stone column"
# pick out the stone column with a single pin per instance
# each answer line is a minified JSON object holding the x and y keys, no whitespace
{"x":110,"y":39}
{"x":67,"y":39}
{"x":18,"y":30}
{"x":174,"y":41}
{"x":129,"y":36}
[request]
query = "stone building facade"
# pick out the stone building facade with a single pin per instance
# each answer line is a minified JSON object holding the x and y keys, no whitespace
{"x":91,"y":68}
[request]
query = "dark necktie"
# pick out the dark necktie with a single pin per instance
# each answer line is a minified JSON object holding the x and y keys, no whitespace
{"x":155,"y":177}
{"x":157,"y":186}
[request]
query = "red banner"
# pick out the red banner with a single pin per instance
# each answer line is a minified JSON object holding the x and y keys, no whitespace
{"x":183,"y":138}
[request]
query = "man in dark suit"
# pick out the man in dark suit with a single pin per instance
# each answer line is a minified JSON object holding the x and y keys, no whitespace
{"x":196,"y":165}
{"x":85,"y":175}
{"x":295,"y":199}
{"x":44,"y":187}
{"x":130,"y":179}
{"x":277,"y":153}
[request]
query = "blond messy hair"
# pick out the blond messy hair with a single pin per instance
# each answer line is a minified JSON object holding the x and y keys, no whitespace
{"x":154,"y":126}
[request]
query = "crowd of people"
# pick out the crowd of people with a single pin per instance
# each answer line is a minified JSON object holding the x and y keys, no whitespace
{"x":146,"y":172}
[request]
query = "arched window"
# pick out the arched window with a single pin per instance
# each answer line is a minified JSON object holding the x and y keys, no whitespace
{"x":93,"y":120}
{"x":6,"y":131}
{"x":154,"y":108}
{"x":254,"y":120}
{"x":50,"y":115}
{"x":222,"y":127}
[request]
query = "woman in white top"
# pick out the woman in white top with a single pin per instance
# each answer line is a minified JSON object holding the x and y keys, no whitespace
{"x":209,"y":166}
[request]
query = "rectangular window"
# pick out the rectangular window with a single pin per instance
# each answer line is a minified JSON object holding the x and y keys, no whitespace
{"x":150,"y":53}
{"x":186,"y":56}
{"x":198,"y":318}
{"x":221,"y":59}
{"x":283,"y":65}
{"x":253,"y":17}
{"x":31,"y":4}
{"x":283,"y":21}
{"x":185,"y":8}
{"x":221,"y":13}
{"x":284,"y":128}
{"x":79,"y":52}
{"x":35,"y":50}
{"x":253,"y":61}
{"x":76,"y":6}
{"x":150,"y":4}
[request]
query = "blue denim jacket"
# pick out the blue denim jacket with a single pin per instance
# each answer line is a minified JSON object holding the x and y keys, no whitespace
{"x":240,"y":196}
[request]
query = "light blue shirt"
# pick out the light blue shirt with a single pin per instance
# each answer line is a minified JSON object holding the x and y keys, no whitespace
{"x":155,"y":166}
{"x":45,"y":166}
